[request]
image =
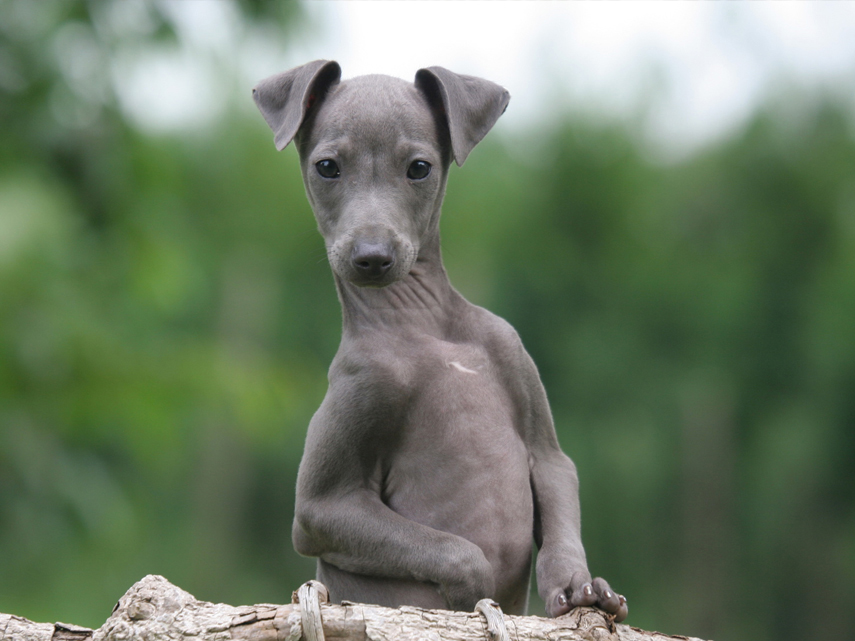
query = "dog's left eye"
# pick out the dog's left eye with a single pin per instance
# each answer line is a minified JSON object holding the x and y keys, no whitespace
{"x":328,"y":168}
{"x":418,"y":169}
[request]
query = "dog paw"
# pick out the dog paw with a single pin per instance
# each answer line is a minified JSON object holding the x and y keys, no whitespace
{"x":582,"y":592}
{"x":471,"y":580}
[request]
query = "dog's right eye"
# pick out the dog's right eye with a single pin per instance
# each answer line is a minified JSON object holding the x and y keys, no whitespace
{"x":328,"y":168}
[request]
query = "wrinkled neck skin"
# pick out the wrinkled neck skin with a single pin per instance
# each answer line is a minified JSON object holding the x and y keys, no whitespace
{"x":423,"y":301}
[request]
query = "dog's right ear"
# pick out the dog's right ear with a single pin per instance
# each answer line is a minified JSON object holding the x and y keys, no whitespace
{"x":285,"y":99}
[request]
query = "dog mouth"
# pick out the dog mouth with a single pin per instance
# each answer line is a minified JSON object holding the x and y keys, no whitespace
{"x":375,"y":280}
{"x":373,"y":284}
{"x":372,"y":264}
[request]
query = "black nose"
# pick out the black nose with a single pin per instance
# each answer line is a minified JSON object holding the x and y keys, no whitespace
{"x":372,"y":260}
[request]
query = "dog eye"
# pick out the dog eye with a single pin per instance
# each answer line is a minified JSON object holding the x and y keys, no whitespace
{"x":418,"y":170}
{"x":328,"y":168}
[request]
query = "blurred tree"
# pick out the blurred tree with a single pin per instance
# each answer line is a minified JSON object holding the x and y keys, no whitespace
{"x":154,"y":376}
{"x":692,"y":323}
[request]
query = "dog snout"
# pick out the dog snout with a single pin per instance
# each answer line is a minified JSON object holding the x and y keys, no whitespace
{"x":371,"y":260}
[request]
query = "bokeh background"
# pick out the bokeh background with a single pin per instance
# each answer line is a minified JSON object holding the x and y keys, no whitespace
{"x":666,"y":214}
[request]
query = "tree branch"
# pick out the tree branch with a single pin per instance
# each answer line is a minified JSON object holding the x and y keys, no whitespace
{"x":154,"y":609}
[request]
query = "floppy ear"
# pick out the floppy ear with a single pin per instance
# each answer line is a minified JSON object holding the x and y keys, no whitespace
{"x":284,"y":99}
{"x":472,"y":105}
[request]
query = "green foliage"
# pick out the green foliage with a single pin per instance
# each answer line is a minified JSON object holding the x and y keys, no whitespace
{"x":167,"y":317}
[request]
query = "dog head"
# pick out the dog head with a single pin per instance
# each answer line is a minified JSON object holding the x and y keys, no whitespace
{"x":375,"y":153}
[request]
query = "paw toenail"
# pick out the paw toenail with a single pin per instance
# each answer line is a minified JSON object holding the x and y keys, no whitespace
{"x":562,"y":600}
{"x":588,"y":590}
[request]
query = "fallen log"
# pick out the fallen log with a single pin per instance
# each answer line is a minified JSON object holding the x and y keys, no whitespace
{"x":155,"y":610}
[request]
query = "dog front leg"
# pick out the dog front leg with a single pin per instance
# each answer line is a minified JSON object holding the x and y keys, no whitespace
{"x":563,"y":579}
{"x":359,"y":534}
{"x":341,"y":518}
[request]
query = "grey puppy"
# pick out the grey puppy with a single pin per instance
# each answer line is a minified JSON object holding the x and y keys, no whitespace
{"x":432,"y":462}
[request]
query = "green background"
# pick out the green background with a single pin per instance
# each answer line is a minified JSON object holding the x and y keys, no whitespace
{"x":167,"y":317}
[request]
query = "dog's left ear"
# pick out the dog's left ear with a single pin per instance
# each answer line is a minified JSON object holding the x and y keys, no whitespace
{"x":284,"y":99}
{"x":472,"y":105}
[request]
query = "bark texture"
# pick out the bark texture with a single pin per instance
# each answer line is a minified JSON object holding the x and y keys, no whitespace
{"x":155,"y":610}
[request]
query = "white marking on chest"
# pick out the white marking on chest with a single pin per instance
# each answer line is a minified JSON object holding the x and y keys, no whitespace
{"x":463,"y":369}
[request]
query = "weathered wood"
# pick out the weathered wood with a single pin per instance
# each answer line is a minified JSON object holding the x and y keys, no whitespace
{"x":14,"y":628}
{"x":155,"y":610}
